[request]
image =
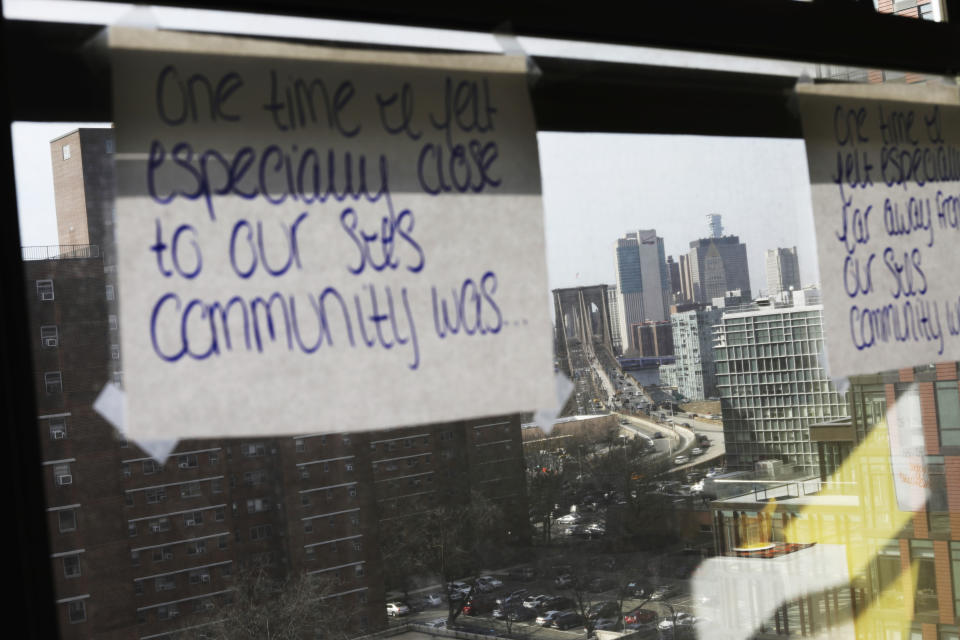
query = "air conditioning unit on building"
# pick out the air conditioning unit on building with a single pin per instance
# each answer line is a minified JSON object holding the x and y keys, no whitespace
{"x":205,"y":577}
{"x":190,"y":522}
{"x":50,"y":342}
{"x":184,"y":465}
{"x":64,"y":479}
{"x":155,"y":528}
{"x":59,"y":435}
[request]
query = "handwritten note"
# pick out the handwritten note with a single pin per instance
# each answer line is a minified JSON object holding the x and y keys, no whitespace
{"x":885,"y":179}
{"x":317,"y":239}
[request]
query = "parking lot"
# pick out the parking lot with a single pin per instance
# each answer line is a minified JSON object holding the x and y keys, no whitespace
{"x":677,"y":602}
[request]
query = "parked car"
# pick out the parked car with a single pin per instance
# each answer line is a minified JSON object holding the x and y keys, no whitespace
{"x":547,"y":619}
{"x":476,"y":606}
{"x":458,"y":590}
{"x":535,"y":602}
{"x":564,"y":581}
{"x":489,"y":583}
{"x":606,"y":624}
{"x":696,"y":451}
{"x":438,"y":623}
{"x":640,"y":616}
{"x":568,"y":620}
{"x":605,"y":609}
{"x":519,"y":614}
{"x":681,"y":460}
{"x":397,"y":608}
{"x":637,"y":589}
{"x":661,"y":592}
{"x":513,"y":598}
{"x":558,"y":603}
{"x":433,"y":600}
{"x":570,"y":518}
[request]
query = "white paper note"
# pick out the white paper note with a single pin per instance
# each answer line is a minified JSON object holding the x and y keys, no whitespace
{"x":885,"y":179}
{"x":317,"y":239}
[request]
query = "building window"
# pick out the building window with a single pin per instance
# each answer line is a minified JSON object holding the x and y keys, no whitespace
{"x":223,"y":542}
{"x":53,"y":382}
{"x":353,"y":491}
{"x":67,"y":520}
{"x":132,"y":529}
{"x":150,"y":467}
{"x":58,"y":428}
{"x":125,"y":471}
{"x":256,"y":505}
{"x":71,"y":566}
{"x":196,"y":577}
{"x":921,"y":553}
{"x":49,"y":336}
{"x":304,"y":473}
{"x":359,"y":571}
{"x":261,"y":532}
{"x":326,"y":467}
{"x":155,"y":496}
{"x":219,"y":515}
{"x":45,"y":290}
{"x":301,"y":445}
{"x":118,"y":377}
{"x":62,"y":475}
{"x":307,"y":526}
{"x":138,"y":587}
{"x":253,"y":449}
{"x":159,"y":525}
{"x":110,"y":293}
{"x":76,"y":611}
{"x":167,"y":612}
{"x":214,"y":458}
{"x":112,"y":320}
{"x":135,"y":558}
{"x":162,"y":554}
{"x":114,"y":352}
{"x":304,"y":499}
{"x":65,"y":150}
{"x":165,"y":583}
{"x":194,"y":519}
{"x":216,"y":485}
{"x":196,"y":547}
{"x":348,"y":466}
{"x":346,"y":440}
{"x":108,"y":145}
{"x":948,"y":413}
{"x":254,"y":478}
{"x":357,"y":545}
{"x":190,"y":490}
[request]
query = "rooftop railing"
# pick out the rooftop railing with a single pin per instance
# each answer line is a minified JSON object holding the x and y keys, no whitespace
{"x":60,"y":252}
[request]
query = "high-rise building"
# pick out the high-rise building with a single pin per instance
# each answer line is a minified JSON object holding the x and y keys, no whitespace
{"x":694,"y":371}
{"x":642,"y":280}
{"x":772,"y":384}
{"x":718,"y":265}
{"x":613,"y":310}
{"x":715,"y":225}
{"x":142,"y":549}
{"x":783,"y":270}
{"x":686,"y":280}
{"x":676,"y":290}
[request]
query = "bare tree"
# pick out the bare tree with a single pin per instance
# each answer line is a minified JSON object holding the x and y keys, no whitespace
{"x":265,"y":607}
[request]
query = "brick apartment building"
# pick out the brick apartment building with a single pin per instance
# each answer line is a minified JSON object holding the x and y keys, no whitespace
{"x":141,"y":550}
{"x":904,"y":565}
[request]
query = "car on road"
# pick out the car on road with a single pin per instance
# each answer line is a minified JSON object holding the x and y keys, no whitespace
{"x":696,"y":451}
{"x":658,"y":435}
{"x":438,"y":623}
{"x":681,"y":460}
{"x":547,"y":619}
{"x":568,"y":620}
{"x":395,"y":609}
